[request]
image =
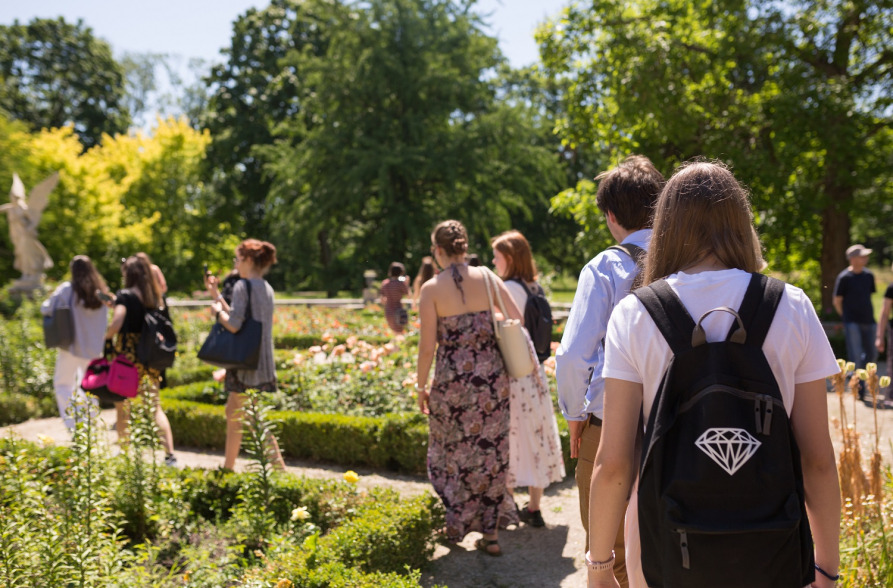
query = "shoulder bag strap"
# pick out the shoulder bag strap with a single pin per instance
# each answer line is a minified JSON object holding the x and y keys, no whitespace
{"x":668,"y":313}
{"x":248,"y":286}
{"x":486,"y":275}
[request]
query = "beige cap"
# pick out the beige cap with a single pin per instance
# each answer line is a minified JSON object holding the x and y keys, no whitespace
{"x":857,"y":250}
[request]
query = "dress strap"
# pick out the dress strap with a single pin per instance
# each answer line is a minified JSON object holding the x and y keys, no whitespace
{"x":457,"y":278}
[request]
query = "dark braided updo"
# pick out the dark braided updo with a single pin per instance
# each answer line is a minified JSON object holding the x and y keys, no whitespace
{"x":451,"y":236}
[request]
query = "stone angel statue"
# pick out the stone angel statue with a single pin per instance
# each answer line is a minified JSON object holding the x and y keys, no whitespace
{"x":31,"y":258}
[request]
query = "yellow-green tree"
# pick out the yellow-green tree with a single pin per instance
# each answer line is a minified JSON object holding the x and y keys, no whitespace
{"x":133,"y":192}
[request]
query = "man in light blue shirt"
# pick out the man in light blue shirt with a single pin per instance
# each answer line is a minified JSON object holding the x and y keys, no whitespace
{"x":626,"y":195}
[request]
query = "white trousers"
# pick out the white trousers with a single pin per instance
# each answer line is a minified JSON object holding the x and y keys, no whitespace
{"x":70,"y":370}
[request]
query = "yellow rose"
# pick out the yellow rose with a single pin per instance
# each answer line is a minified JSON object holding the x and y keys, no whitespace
{"x":351,"y":477}
{"x":863,"y":375}
{"x":842,"y":364}
{"x":885,"y":381}
{"x":850,"y":366}
{"x":871,"y":368}
{"x":46,"y":440}
{"x":300,"y":514}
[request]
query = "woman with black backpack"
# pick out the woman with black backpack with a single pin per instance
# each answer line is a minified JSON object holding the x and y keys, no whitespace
{"x":140,"y":292}
{"x":737,"y":461}
{"x":535,"y":458}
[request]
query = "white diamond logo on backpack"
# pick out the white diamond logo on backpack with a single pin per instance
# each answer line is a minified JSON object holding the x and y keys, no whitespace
{"x":729,"y":448}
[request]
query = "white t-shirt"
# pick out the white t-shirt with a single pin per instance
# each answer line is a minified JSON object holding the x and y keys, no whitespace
{"x":796,"y":346}
{"x":518,"y":294}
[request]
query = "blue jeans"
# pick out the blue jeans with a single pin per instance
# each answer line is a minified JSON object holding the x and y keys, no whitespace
{"x":860,"y":347}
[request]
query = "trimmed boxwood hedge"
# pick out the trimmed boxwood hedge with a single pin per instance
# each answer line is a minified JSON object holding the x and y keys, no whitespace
{"x":397,"y":442}
{"x":369,"y":539}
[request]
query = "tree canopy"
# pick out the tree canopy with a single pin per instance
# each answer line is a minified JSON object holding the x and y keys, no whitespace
{"x":400,"y":126}
{"x":55,"y":73}
{"x":796,"y":95}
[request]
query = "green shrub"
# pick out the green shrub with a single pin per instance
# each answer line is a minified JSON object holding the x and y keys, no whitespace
{"x":18,"y":408}
{"x":391,"y":441}
{"x":406,"y":527}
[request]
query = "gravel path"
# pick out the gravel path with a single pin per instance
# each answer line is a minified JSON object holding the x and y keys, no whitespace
{"x":535,"y":558}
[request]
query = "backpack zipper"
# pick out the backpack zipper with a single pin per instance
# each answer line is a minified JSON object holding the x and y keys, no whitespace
{"x":763,"y":404}
{"x":683,"y":544}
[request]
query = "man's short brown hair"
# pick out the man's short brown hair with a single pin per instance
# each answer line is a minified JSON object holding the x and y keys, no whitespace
{"x":629,"y":191}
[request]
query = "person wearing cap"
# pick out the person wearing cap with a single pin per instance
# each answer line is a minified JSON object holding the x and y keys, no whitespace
{"x":852,"y":301}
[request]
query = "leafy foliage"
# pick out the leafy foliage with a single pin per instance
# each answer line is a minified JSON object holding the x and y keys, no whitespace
{"x":796,"y":95}
{"x":56,"y":73}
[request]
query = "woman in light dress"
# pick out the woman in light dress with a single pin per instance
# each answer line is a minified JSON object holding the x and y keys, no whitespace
{"x":535,"y":449}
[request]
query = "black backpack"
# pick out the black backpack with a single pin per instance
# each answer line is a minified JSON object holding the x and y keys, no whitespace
{"x":538,"y":320}
{"x":721,"y":499}
{"x":157,"y":345}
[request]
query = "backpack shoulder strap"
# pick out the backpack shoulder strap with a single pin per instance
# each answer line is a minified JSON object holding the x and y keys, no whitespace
{"x":668,"y":313}
{"x":758,"y":307}
{"x":634,"y":251}
{"x":523,"y":285}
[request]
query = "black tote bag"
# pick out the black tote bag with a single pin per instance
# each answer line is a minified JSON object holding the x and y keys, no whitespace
{"x":234,"y":351}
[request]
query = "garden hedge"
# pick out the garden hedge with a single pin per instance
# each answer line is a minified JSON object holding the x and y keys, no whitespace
{"x":397,"y":442}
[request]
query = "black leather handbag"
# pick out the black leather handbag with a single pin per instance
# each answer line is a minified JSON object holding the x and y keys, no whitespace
{"x":234,"y":351}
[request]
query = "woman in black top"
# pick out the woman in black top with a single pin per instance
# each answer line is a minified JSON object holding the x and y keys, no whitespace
{"x":140,"y":292}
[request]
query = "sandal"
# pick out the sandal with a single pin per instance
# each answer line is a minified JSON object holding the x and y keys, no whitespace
{"x":485,"y":545}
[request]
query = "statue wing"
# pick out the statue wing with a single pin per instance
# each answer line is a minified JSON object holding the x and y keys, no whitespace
{"x":18,"y":189}
{"x":40,"y":197}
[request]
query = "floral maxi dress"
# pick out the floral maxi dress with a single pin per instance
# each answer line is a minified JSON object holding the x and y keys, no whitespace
{"x":468,"y":443}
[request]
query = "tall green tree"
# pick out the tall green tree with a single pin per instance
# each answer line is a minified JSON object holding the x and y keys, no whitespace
{"x":250,"y":94}
{"x":55,"y":73}
{"x":796,"y":95}
{"x":400,"y":127}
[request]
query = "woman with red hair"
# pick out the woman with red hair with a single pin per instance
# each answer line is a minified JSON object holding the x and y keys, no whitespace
{"x":253,"y":260}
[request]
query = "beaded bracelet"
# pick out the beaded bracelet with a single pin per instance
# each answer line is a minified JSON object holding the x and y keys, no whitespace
{"x":826,"y":574}
{"x":600,"y":566}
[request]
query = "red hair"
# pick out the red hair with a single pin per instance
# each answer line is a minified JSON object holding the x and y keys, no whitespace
{"x":261,"y":253}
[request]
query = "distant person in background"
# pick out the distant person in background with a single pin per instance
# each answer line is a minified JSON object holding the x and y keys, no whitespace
{"x":884,"y":327}
{"x":393,"y":290}
{"x":473,"y":260}
{"x":852,"y":301}
{"x":426,"y":272}
{"x":535,"y":457}
{"x":90,"y":319}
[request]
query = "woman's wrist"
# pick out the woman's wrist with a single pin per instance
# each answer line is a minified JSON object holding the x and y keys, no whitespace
{"x":422,"y":388}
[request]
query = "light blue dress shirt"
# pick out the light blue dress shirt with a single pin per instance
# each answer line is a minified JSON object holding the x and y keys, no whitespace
{"x":603,"y":283}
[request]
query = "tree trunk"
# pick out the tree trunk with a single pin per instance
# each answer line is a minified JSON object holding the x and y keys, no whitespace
{"x":835,"y":240}
{"x":325,"y":258}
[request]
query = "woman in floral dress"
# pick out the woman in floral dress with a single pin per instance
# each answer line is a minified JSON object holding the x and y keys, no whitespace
{"x":535,"y":448}
{"x":468,"y":403}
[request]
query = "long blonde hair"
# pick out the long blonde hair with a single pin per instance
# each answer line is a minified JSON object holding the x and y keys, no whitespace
{"x":702,"y":210}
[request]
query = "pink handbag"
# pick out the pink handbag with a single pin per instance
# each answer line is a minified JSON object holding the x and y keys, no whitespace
{"x":124,"y":377}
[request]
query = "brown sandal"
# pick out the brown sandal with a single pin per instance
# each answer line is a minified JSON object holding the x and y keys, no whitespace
{"x":485,"y":545}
